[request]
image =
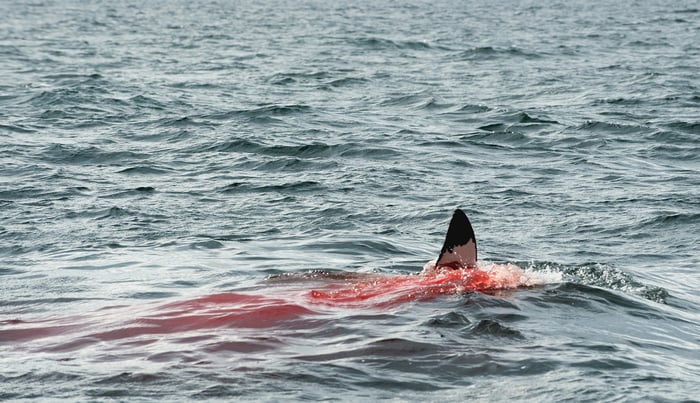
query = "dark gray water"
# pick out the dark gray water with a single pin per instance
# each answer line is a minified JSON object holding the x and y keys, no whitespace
{"x":154,"y":152}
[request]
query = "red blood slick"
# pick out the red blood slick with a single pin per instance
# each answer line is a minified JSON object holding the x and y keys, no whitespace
{"x":389,"y":290}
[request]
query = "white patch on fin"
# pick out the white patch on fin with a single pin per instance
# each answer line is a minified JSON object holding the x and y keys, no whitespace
{"x":463,"y":255}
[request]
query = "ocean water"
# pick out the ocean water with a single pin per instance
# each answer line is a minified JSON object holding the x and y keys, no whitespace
{"x":159,"y":158}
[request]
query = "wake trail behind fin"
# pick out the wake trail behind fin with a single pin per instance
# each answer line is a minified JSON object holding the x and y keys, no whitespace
{"x":459,"y":249}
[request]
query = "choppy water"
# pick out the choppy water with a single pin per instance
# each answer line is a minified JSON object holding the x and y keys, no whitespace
{"x":159,"y":152}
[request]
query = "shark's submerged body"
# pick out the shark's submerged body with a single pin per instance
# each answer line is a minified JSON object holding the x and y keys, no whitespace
{"x":287,"y":298}
{"x":455,"y":271}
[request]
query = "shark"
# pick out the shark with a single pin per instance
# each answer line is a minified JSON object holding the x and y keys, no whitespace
{"x":455,"y":271}
{"x":459,"y":249}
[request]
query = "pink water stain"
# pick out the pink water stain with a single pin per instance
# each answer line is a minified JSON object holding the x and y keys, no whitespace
{"x":388,"y":291}
{"x":283,"y":304}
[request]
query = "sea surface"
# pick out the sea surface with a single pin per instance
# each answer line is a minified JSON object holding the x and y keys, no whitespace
{"x":165,"y":155}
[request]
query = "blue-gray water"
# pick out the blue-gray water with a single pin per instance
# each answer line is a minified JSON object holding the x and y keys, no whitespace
{"x":155,"y":151}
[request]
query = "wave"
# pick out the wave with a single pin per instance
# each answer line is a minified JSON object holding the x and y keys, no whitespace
{"x":295,"y":77}
{"x":377,"y":43}
{"x":612,"y":128}
{"x":686,"y":127}
{"x":605,"y":277}
{"x":16,"y":128}
{"x":262,"y":111}
{"x":78,"y":155}
{"x":322,"y":80}
{"x":520,"y":123}
{"x":300,"y":151}
{"x":471,"y":109}
{"x":490,"y":53}
{"x":670,"y":221}
{"x":145,"y":170}
{"x":297,"y":187}
{"x":347,"y":82}
{"x":39,"y":194}
{"x":288,"y":164}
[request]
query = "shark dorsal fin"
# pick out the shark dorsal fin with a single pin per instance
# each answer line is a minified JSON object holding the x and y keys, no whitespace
{"x":459,"y":249}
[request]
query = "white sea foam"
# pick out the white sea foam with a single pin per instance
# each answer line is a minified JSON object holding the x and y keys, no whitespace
{"x":510,"y":275}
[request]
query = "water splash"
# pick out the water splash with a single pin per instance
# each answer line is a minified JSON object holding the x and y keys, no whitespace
{"x":601,"y":275}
